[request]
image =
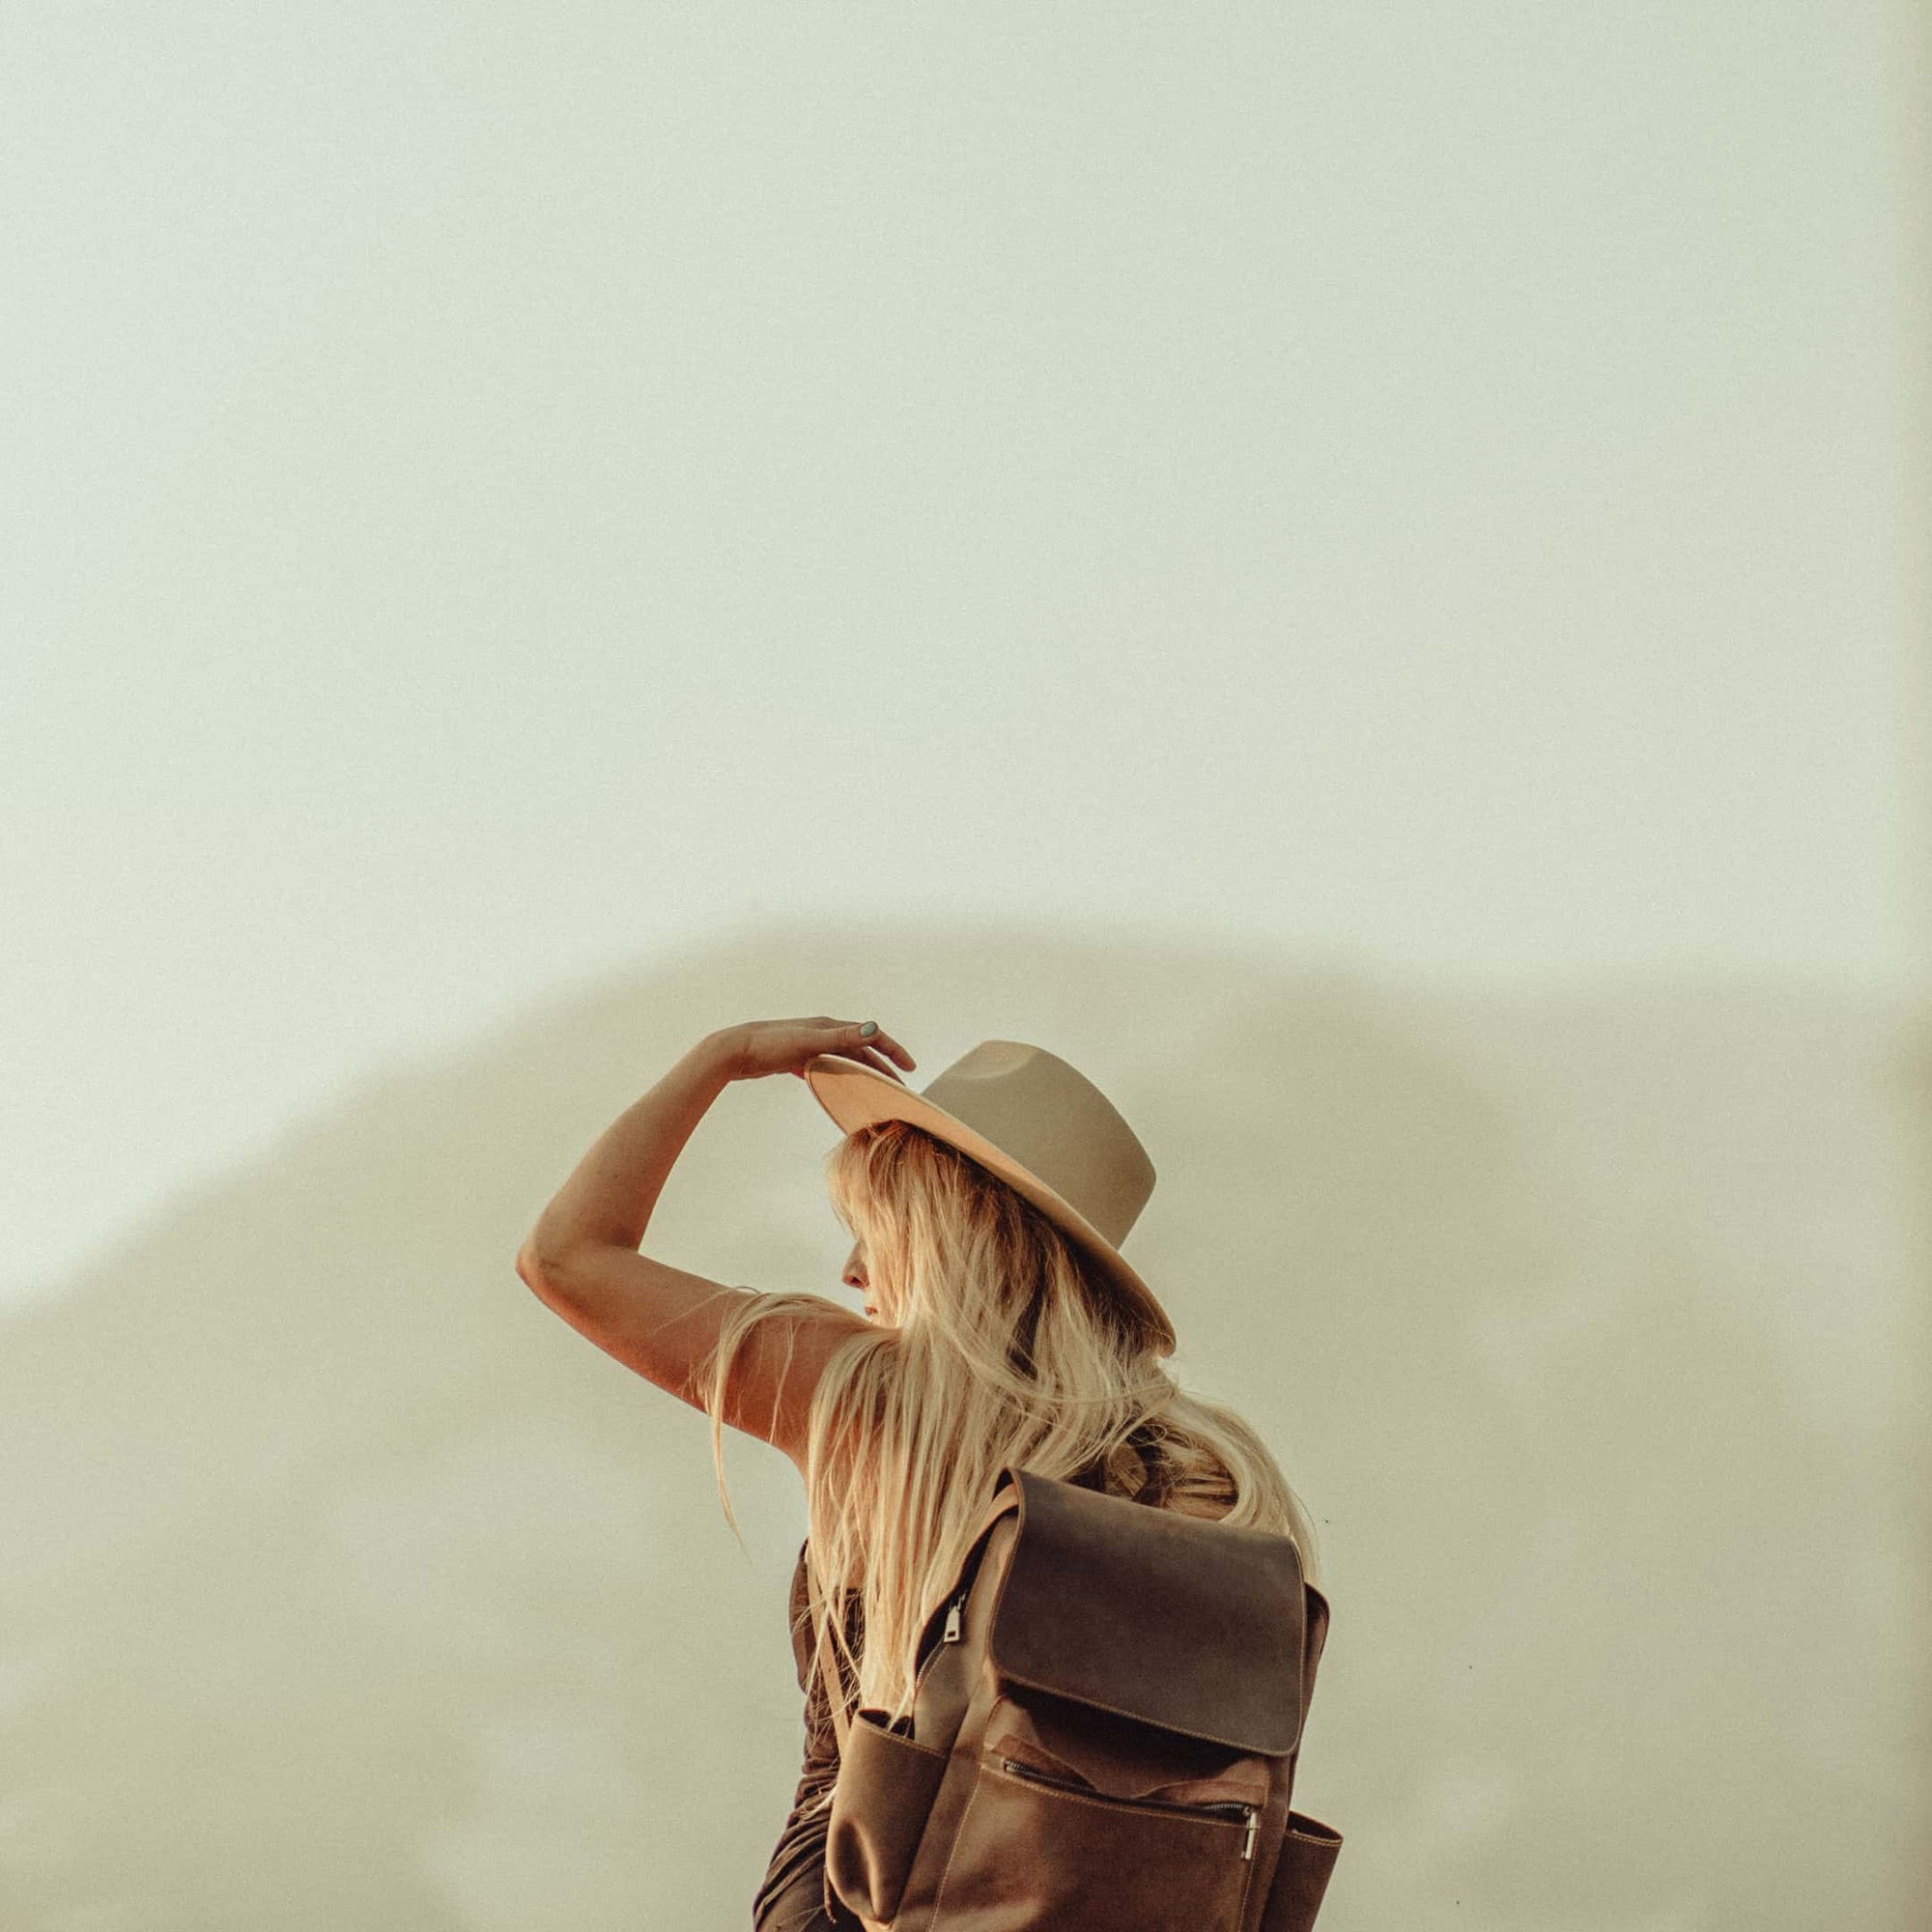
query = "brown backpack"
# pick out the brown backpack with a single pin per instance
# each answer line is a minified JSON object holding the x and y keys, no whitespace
{"x":1104,"y":1733}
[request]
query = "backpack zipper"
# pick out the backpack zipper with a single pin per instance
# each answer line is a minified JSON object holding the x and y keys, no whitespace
{"x":950,"y":1634}
{"x":1230,"y":1808}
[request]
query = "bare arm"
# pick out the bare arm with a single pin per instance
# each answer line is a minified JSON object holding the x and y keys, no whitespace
{"x":582,"y":1261}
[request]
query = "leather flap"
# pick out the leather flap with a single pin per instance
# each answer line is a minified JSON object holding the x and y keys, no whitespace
{"x":1172,"y":1620}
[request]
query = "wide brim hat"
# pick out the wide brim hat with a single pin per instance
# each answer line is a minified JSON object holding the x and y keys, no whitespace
{"x":1041,"y":1126}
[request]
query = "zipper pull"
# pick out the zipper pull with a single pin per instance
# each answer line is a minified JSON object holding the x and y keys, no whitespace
{"x":1254,"y":1824}
{"x":951,"y":1630}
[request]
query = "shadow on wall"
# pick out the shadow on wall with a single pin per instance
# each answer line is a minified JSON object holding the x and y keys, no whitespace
{"x":345,"y":1585}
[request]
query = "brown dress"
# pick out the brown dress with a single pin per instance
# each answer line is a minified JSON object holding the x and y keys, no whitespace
{"x":792,"y":1896}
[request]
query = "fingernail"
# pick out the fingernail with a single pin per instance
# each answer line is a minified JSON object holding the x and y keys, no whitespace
{"x":867,"y":1031}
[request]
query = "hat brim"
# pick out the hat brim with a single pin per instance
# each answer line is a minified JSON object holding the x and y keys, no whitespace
{"x":856,"y":1095}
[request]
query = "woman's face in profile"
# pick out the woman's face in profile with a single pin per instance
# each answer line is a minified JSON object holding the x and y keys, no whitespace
{"x":856,"y":1276}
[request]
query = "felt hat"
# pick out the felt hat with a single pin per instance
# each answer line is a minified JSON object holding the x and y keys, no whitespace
{"x":1040,"y":1125}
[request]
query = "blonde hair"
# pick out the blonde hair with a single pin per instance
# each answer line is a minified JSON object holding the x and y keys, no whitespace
{"x":1009,"y":1347}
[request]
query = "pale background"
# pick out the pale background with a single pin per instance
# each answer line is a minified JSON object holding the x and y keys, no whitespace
{"x":1356,"y":571}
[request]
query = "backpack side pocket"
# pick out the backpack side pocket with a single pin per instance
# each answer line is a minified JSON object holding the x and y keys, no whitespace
{"x":1308,"y":1855}
{"x":880,"y":1804}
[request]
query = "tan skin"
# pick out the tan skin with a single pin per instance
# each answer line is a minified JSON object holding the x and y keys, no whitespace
{"x":582,"y":1259}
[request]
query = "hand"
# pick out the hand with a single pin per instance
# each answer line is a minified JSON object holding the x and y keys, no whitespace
{"x":759,"y":1047}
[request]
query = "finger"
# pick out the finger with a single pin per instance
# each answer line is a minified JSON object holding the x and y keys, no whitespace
{"x":884,"y":1043}
{"x":866,"y":1054}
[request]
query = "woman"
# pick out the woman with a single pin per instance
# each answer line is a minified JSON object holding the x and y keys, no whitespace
{"x":1001,"y":1324}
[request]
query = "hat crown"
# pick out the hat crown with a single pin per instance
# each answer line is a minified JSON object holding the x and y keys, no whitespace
{"x":1052,"y":1119}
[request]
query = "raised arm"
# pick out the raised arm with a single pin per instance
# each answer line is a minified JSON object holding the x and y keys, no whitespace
{"x":582,"y":1260}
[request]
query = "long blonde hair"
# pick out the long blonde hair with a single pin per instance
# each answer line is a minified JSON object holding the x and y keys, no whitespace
{"x":1009,"y":1347}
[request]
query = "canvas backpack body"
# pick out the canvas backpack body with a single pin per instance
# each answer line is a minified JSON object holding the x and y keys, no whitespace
{"x":1104,"y":1736}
